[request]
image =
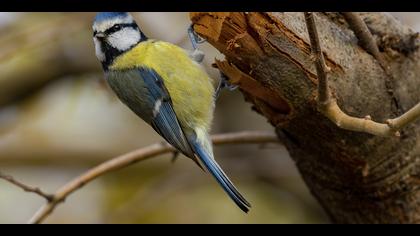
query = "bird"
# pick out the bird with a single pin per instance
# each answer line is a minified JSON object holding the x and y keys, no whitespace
{"x":165,"y":87}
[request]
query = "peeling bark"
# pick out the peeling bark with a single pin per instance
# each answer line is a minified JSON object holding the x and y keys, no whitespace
{"x":357,"y":177}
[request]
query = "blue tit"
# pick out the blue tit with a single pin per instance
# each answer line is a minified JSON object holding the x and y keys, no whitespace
{"x":164,"y":86}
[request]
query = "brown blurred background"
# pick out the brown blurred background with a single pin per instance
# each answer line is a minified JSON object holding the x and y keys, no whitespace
{"x":58,"y":118}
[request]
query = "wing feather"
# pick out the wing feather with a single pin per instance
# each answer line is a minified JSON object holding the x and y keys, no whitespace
{"x":165,"y":121}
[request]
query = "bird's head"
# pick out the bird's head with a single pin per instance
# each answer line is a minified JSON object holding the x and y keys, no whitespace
{"x":113,"y":34}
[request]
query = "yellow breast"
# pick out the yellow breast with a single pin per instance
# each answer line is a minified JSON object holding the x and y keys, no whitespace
{"x":190,"y":87}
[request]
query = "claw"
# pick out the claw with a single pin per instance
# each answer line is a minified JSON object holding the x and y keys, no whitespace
{"x":230,"y":87}
{"x":224,"y":83}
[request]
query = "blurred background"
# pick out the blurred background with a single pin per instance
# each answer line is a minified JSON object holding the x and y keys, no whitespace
{"x":58,"y":118}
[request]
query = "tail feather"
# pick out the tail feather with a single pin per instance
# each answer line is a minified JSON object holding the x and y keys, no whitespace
{"x":211,"y":165}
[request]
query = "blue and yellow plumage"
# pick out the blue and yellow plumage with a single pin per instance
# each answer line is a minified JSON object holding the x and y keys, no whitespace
{"x":164,"y":86}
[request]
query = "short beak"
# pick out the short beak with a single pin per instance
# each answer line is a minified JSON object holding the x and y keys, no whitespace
{"x":99,"y":35}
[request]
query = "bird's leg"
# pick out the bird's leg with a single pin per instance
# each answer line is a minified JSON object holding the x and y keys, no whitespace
{"x":197,"y":55}
{"x":194,"y":37}
{"x":224,"y":83}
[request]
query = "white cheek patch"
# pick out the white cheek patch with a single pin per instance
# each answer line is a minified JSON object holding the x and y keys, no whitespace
{"x":98,"y":50}
{"x":124,"y":38}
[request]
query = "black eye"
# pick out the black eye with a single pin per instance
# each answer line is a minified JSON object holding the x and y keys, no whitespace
{"x":116,"y":27}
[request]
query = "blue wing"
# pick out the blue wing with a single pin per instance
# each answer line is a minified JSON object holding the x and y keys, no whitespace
{"x":164,"y":120}
{"x":144,"y":92}
{"x":166,"y":124}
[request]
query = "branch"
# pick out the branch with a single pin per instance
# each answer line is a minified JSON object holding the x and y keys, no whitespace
{"x":245,"y":137}
{"x":329,"y":107}
{"x":26,"y":188}
{"x":367,"y":42}
{"x":365,"y":37}
{"x":321,"y":68}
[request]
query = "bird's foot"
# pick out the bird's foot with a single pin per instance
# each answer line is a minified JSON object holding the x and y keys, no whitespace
{"x":194,"y":37}
{"x":224,"y":83}
{"x":197,"y":55}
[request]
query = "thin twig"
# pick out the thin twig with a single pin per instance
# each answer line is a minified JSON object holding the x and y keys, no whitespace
{"x":366,"y":40}
{"x":245,"y":137}
{"x":321,"y":69}
{"x":407,"y":118}
{"x":26,"y":188}
{"x":329,"y":107}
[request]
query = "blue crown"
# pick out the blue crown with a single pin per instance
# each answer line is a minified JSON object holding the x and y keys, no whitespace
{"x":101,"y":16}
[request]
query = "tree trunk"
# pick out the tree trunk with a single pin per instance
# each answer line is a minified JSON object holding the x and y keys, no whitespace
{"x":357,"y":177}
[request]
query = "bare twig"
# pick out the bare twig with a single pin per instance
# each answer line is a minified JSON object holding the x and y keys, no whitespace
{"x":365,"y":37}
{"x":26,"y":188}
{"x":367,"y":42}
{"x":245,"y":137}
{"x":321,"y":68}
{"x":366,"y":125}
{"x":329,"y":107}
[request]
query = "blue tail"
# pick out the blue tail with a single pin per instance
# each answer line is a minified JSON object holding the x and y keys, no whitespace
{"x":220,"y":176}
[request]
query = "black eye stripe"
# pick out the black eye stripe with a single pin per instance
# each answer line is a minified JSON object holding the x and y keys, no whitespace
{"x":118,"y":27}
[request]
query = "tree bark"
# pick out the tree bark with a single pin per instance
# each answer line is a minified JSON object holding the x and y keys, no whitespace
{"x":357,"y":177}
